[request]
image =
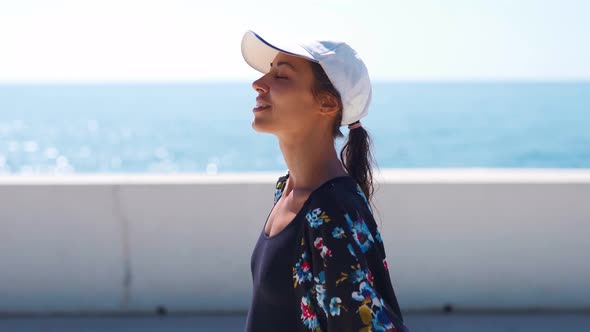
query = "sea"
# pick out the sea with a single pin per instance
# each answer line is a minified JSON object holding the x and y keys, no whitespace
{"x":205,"y":127}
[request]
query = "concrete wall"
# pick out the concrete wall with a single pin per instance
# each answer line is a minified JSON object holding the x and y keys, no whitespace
{"x":474,"y":238}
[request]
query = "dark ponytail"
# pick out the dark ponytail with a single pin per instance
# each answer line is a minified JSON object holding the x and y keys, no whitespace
{"x":358,"y":159}
{"x":356,"y":154}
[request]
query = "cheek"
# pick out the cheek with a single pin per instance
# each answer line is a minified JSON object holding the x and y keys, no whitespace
{"x":297,"y":98}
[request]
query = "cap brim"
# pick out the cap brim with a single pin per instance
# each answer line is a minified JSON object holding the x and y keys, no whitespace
{"x":259,"y":52}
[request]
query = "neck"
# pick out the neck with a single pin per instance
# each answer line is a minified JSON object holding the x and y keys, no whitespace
{"x":311,"y":160}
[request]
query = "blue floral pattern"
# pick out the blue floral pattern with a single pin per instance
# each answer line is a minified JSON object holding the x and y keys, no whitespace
{"x":334,"y":277}
{"x":333,"y":269}
{"x":338,"y":233}
{"x":302,"y":270}
{"x":362,"y":194}
{"x":360,"y":232}
{"x":308,"y":315}
{"x":316,"y":217}
{"x":335,"y":306}
{"x":279,"y":190}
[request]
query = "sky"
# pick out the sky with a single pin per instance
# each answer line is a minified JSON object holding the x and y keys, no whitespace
{"x":191,"y":40}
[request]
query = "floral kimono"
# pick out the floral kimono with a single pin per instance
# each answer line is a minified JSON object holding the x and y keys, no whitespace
{"x":340,"y":279}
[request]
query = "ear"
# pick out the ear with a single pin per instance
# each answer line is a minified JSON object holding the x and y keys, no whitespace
{"x":329,"y":104}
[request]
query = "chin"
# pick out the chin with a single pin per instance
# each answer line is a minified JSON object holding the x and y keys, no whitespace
{"x":262,"y":126}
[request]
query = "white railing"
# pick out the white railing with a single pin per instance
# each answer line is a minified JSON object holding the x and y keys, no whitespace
{"x":473,"y":238}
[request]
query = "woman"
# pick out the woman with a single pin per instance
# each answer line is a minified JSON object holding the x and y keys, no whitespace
{"x":319,"y":263}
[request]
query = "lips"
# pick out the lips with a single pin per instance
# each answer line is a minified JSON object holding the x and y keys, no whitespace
{"x":260,"y":108}
{"x":261,"y":105}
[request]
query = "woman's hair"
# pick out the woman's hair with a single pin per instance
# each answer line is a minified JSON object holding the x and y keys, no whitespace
{"x":356,"y":154}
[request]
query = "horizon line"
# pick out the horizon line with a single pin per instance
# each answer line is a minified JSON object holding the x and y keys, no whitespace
{"x":242,"y":80}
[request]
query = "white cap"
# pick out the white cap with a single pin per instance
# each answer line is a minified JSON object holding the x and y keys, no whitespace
{"x":344,"y":68}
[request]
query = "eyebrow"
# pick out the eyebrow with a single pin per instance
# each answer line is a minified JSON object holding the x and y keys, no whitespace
{"x":280,"y":63}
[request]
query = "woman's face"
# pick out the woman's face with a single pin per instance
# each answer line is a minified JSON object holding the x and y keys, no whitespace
{"x":285,"y":104}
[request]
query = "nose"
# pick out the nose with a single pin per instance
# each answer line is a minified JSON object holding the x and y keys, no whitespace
{"x":260,"y":86}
